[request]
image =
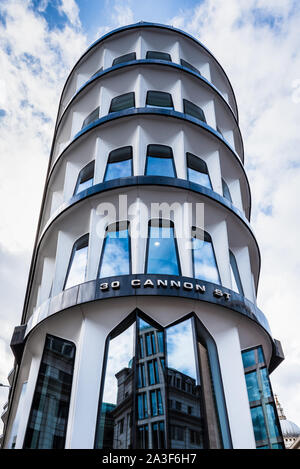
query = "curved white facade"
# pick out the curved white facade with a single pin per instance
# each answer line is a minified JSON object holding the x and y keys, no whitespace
{"x":85,"y":199}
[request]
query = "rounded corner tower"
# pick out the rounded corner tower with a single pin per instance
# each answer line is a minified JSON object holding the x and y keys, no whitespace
{"x":140,"y":327}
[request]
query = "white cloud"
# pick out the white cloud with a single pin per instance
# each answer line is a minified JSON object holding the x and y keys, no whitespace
{"x":71,"y":10}
{"x":34,"y":64}
{"x":258,"y":44}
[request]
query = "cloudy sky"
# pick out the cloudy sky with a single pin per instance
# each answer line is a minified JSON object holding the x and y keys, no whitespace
{"x":257,"y":42}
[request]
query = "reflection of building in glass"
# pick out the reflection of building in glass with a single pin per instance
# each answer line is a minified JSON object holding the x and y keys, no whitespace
{"x":290,"y":430}
{"x":140,"y":327}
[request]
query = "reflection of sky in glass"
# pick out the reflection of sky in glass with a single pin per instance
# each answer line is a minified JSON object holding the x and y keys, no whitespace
{"x":248,"y":358}
{"x":162,"y":258}
{"x":180,"y":348}
{"x":204,"y":261}
{"x":258,"y":423}
{"x":159,"y":166}
{"x":265,"y":382}
{"x":120,"y":352}
{"x":84,"y":185}
{"x":199,"y":178}
{"x":121,"y":169}
{"x":273,"y":428}
{"x":115,"y":259}
{"x":143,"y":324}
{"x":252,"y":386}
{"x":78,"y":267}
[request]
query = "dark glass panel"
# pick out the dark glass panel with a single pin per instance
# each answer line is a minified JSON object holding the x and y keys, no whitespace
{"x":160,"y":161}
{"x":158,"y":435}
{"x":143,"y":437}
{"x":157,"y":55}
{"x":162,"y":250}
{"x":47,"y":424}
{"x":85,"y":178}
{"x":160,"y":339}
{"x":119,"y":164}
{"x":186,"y":64}
{"x":124,"y":101}
{"x":252,"y":386}
{"x":78,"y":262}
{"x":193,"y":110}
{"x":226,"y":191}
{"x":93,"y":116}
{"x":235,"y":275}
{"x":124,"y":58}
{"x":116,"y":251}
{"x":159,"y":99}
{"x":204,"y":261}
{"x":258,"y":422}
{"x":197,"y":171}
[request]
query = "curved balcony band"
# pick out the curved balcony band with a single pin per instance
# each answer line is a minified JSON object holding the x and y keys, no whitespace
{"x":150,"y":62}
{"x":91,"y":291}
{"x":148,"y":25}
{"x":151,"y":111}
{"x":133,"y":181}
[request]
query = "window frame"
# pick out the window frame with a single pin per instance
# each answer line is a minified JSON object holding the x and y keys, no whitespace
{"x":150,"y":147}
{"x":160,"y":225}
{"x":119,"y":159}
{"x":117,"y":223}
{"x":157,"y":106}
{"x":206,"y":238}
{"x":201,"y":163}
{"x":79,"y":181}
{"x":82,"y":239}
{"x":186,"y":102}
{"x":131,"y":93}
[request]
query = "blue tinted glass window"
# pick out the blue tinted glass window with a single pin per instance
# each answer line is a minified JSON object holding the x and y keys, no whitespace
{"x":160,"y":403}
{"x":78,"y":262}
{"x":141,"y":347}
{"x":160,"y":339}
{"x":116,"y":251}
{"x":249,"y":358}
{"x":154,"y":407}
{"x":277,"y":446}
{"x":159,"y":161}
{"x":258,"y":421}
{"x":162,"y":254}
{"x":119,"y":164}
{"x":252,"y":386}
{"x":47,"y":424}
{"x":272,"y":421}
{"x":159,"y":99}
{"x":156,"y":371}
{"x":85,"y":178}
{"x":265,"y":382}
{"x":149,"y":344}
{"x":151,"y":373}
{"x":205,"y":266}
{"x":197,"y":171}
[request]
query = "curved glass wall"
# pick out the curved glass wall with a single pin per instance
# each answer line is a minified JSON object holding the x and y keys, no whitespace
{"x":162,"y":255}
{"x":159,"y":161}
{"x":119,"y":164}
{"x":115,"y":257}
{"x":47,"y":424}
{"x":204,"y":260}
{"x":197,"y":171}
{"x":152,"y":396}
{"x":78,"y":262}
{"x":265,"y":420}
